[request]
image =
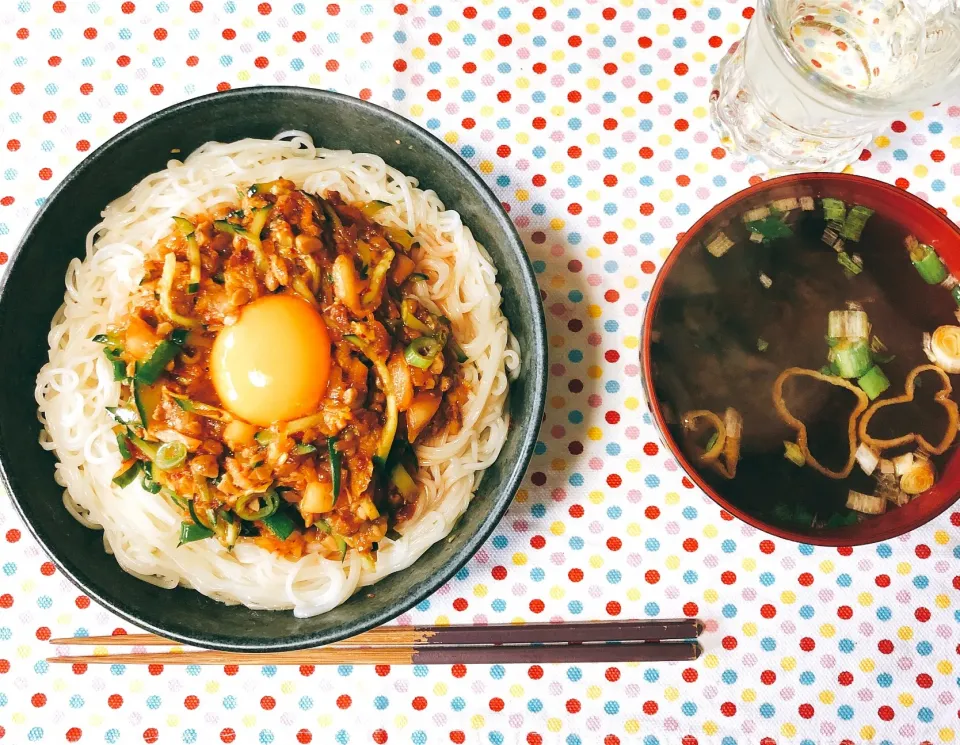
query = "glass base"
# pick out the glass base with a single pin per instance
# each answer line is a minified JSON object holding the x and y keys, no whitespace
{"x":748,"y":129}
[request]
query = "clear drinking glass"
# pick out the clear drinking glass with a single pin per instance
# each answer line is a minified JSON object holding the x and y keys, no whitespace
{"x":814,"y":80}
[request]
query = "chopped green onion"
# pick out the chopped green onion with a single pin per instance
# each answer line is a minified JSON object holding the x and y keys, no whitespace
{"x":190,"y":532}
{"x":227,"y":529}
{"x":280,"y":524}
{"x":850,"y":325}
{"x":404,"y":482}
{"x":711,"y":442}
{"x":762,"y":344}
{"x":855,"y":222}
{"x":873,"y":382}
{"x":929,"y":266}
{"x":303,"y":448}
{"x":125,"y":478}
{"x":171,"y":455}
{"x":834,"y":210}
{"x":210,"y":516}
{"x":457,"y":350}
{"x":341,"y":546}
{"x":827,"y":370}
{"x":323,"y":526}
{"x":175,"y":498}
{"x":844,"y":259}
{"x":421,"y":352}
{"x":270,"y":504}
{"x":119,"y":368}
{"x":770,"y":228}
{"x":122,"y":445}
{"x":149,"y":449}
{"x":417,"y":277}
{"x":334,"y":467}
{"x":793,"y":453}
{"x":851,"y":359}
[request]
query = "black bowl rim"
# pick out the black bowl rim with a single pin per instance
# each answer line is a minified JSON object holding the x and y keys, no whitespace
{"x":536,"y":357}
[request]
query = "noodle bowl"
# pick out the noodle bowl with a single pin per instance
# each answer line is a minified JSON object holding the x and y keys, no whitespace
{"x":77,"y":385}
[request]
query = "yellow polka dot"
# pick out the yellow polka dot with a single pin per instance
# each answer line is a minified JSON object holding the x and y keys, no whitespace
{"x":596,"y":562}
{"x":826,"y":697}
{"x":557,"y":224}
{"x":629,"y":167}
{"x":557,"y":592}
{"x":666,"y":195}
{"x":486,"y":111}
{"x":557,"y":528}
{"x":881,"y":141}
{"x":516,"y":690}
{"x":867,"y":732}
{"x":594,"y":311}
{"x":710,"y":728}
{"x":672,"y":498}
{"x":595,"y":433}
{"x":593,"y":83}
{"x":788,"y":663}
{"x":788,"y":729}
{"x":485,"y":166}
{"x":556,"y":110}
{"x":631,"y":726}
{"x":945,"y":734}
{"x":867,"y":665}
{"x":211,"y":686}
{"x":826,"y":566}
{"x":711,"y":661}
{"x":865,"y":599}
{"x":480,"y":591}
{"x":595,"y":372}
{"x":710,"y":531}
{"x":451,"y":138}
{"x":596,"y":497}
{"x":664,"y":140}
{"x":944,"y":667}
{"x":920,"y":171}
{"x":558,"y":464}
{"x":522,"y":195}
{"x":400,"y":721}
{"x":828,"y":630}
{"x":628,"y":111}
{"x":733,"y":28}
{"x":594,"y":692}
{"x":903,"y":568}
{"x":631,"y":403}
{"x":670,"y":693}
{"x":287,"y":687}
{"x":788,"y":597}
{"x":556,"y":167}
{"x":633,"y":530}
{"x":941,"y":537}
{"x":672,"y":562}
{"x":749,"y":564}
{"x":628,"y":57}
{"x":905,"y":633}
{"x":521,"y":495}
{"x":324,"y":720}
{"x":942,"y":601}
{"x":711,"y":596}
{"x":593,"y":252}
{"x":629,"y":224}
{"x":701,"y":168}
{"x":593,"y":195}
{"x":663,"y":84}
{"x":558,"y":56}
{"x":916,"y":115}
{"x":554,"y":724}
{"x":750,"y":628}
{"x":633,"y":465}
{"x":749,"y":695}
{"x":905,"y":699}
{"x":519,"y":559}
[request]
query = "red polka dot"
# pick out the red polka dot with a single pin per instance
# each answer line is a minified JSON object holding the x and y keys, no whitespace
{"x":845,"y":612}
{"x":609,"y":124}
{"x":845,"y":678}
{"x":885,"y":713}
{"x":86,"y":89}
{"x":537,"y":605}
{"x":504,"y":40}
{"x":574,"y":41}
{"x":151,"y":735}
{"x":227,"y":734}
{"x":119,"y":117}
{"x":805,"y":711}
{"x":332,"y":65}
{"x":719,"y":153}
{"x":83,"y":145}
{"x":885,"y":646}
{"x":82,"y":602}
{"x":924,"y":680}
{"x":160,"y":34}
{"x":419,"y":703}
{"x":307,"y":670}
{"x":503,"y":151}
{"x":460,"y":604}
{"x":728,"y":578}
{"x":123,"y":60}
{"x":304,"y":736}
{"x":728,"y":709}
{"x":54,"y":61}
{"x":690,"y":609}
{"x":767,"y":547}
{"x":651,"y":576}
{"x":613,"y":608}
{"x":13,"y":535}
{"x":882,"y":580}
{"x":937,"y":156}
{"x":343,"y":701}
{"x":767,"y":610}
{"x":128,"y":8}
{"x":496,"y":704}
{"x":898,"y":126}
{"x":401,"y":10}
{"x":90,"y":33}
{"x":435,"y":39}
{"x":299,"y":37}
{"x":59,"y":6}
{"x":264,"y":9}
{"x":156,"y":669}
{"x":38,"y":700}
{"x":267,"y":703}
{"x":690,"y":545}
{"x":845,"y":550}
{"x":681,"y":69}
{"x":115,"y":701}
{"x":458,"y":670}
{"x":715,"y":41}
{"x":922,"y":551}
{"x":922,"y":614}
{"x":499,"y":573}
{"x":261,"y":63}
{"x":224,"y":86}
{"x":6,"y":600}
{"x":902,"y":183}
{"x":768,"y":677}
{"x":807,"y":644}
{"x":193,"y":61}
{"x":652,"y":512}
{"x":650,"y":708}
{"x":49,"y":117}
{"x":458,"y":737}
{"x":191,"y":702}
{"x":23,"y":33}
{"x":74,"y":734}
{"x":196,"y":6}
{"x":539,"y":13}
{"x":728,"y":643}
{"x":79,"y":668}
{"x":229,"y":34}
{"x":535,"y":672}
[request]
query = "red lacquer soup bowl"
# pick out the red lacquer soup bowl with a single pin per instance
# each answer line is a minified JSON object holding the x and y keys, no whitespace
{"x":728,"y":314}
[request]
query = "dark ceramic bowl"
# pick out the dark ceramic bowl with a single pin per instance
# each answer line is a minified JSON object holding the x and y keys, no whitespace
{"x":33,"y":289}
{"x":700,"y":350}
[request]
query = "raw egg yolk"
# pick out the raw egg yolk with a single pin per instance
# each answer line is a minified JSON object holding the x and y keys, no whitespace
{"x":272,"y":364}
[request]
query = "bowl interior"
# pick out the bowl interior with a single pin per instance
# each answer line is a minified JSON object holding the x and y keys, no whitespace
{"x":716,"y":336}
{"x":34,"y":289}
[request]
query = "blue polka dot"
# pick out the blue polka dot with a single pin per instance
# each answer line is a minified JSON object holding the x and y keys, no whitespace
{"x":537,"y":574}
{"x":767,"y":579}
{"x":76,"y":702}
{"x":768,"y":644}
{"x":728,"y":546}
{"x":266,"y":737}
{"x":845,"y":712}
{"x":380,"y":703}
{"x":689,"y":513}
{"x":534,"y":705}
{"x":884,"y":551}
{"x":925,"y":715}
{"x":690,"y":577}
{"x":806,"y":612}
{"x":613,"y":577}
{"x":575,"y":607}
{"x":767,"y":710}
{"x":924,"y":648}
{"x":651,"y":609}
{"x":935,"y":127}
{"x":35,"y":733}
{"x":807,"y":678}
{"x":885,"y":680}
{"x":652,"y":480}
{"x":229,"y":702}
{"x":846,"y":645}
{"x":342,"y":737}
{"x":729,"y":677}
{"x":688,"y":708}
{"x":111,"y":736}
{"x":729,"y":611}
{"x":418,"y":737}
{"x":651,"y":675}
{"x":495,"y":737}
{"x":805,"y":548}
{"x":651,"y":544}
{"x":921,"y":582}
{"x":268,"y":671}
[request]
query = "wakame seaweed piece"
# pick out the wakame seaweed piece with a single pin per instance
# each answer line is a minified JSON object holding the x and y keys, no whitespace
{"x":834,"y":210}
{"x":855,"y":222}
{"x":770,"y":228}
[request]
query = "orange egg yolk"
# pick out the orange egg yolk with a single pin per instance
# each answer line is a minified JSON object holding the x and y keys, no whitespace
{"x":272,"y":364}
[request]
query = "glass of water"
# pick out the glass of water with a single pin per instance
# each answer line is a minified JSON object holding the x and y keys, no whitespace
{"x":813,"y":81}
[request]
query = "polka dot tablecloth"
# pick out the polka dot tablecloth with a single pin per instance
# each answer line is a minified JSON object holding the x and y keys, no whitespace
{"x":588,"y":118}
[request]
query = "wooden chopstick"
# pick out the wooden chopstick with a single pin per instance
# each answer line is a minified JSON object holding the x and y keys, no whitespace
{"x":415,"y":655}
{"x":488,"y":635}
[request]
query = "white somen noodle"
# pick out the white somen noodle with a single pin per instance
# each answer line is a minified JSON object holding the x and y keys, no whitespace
{"x":75,"y":388}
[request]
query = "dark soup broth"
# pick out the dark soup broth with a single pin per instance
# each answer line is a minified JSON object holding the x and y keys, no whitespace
{"x":727,"y":326}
